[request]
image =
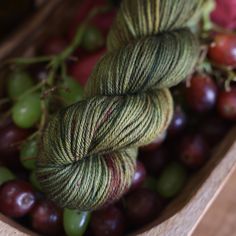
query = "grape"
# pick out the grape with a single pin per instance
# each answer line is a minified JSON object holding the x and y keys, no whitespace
{"x":46,"y":218}
{"x":34,"y":181}
{"x":139,"y":176}
{"x":75,"y":223}
{"x":171,"y":180}
{"x":222,"y":49}
{"x":108,"y":221}
{"x":226,"y":104}
{"x":28,"y":154}
{"x":92,"y":39}
{"x":16,"y":198}
{"x":178,"y":122}
{"x":27,"y":111}
{"x":72,"y":91}
{"x":11,"y":137}
{"x":82,"y":69}
{"x":155,"y":160}
{"x":201,"y":95}
{"x":5,"y":175}
{"x":102,"y":21}
{"x":18,"y":83}
{"x":193,"y":150}
{"x":142,"y":206}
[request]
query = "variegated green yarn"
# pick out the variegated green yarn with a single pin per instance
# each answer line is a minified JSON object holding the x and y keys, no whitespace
{"x":89,"y":149}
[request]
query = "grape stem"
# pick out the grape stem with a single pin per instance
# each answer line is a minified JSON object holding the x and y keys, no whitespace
{"x":32,"y":136}
{"x":58,"y":62}
{"x":31,"y":60}
{"x":55,"y":62}
{"x":32,"y":90}
{"x":231,"y":78}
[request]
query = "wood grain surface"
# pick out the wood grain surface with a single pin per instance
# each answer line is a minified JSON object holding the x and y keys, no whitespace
{"x":220,"y":220}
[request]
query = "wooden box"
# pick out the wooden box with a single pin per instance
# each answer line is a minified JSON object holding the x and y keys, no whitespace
{"x":183,"y":214}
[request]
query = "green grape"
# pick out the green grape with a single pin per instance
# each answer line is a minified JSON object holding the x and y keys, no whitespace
{"x":171,"y":180}
{"x":5,"y":175}
{"x":28,"y":154}
{"x":92,"y":39}
{"x":72,"y":92}
{"x":75,"y":223}
{"x":18,"y":83}
{"x":34,"y":181}
{"x":27,"y":111}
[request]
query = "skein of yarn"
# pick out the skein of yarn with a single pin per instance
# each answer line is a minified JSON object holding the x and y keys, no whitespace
{"x":89,"y":149}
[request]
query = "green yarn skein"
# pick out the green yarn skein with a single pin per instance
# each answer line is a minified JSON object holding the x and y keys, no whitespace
{"x":89,"y":149}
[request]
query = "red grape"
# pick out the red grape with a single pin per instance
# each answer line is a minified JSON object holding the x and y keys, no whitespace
{"x":193,"y":150}
{"x":16,"y":198}
{"x":155,"y":160}
{"x":108,"y":222}
{"x":85,"y":8}
{"x":226,"y":104}
{"x":178,"y":122}
{"x":142,"y":206}
{"x":222,"y":50}
{"x":47,"y":218}
{"x":82,"y":69}
{"x":10,"y":139}
{"x":224,"y":13}
{"x":102,"y":21}
{"x":201,"y":95}
{"x":139,"y":176}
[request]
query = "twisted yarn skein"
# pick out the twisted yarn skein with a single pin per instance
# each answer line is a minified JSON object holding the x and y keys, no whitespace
{"x":89,"y":149}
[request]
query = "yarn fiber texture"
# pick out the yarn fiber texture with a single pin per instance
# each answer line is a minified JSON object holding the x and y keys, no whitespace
{"x":89,"y":150}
